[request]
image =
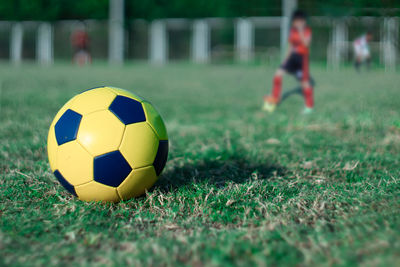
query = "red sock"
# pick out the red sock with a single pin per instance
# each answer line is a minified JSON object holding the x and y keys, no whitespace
{"x":308,"y":97}
{"x":277,"y":87}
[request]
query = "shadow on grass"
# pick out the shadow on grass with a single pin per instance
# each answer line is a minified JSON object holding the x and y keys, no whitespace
{"x":216,"y":172}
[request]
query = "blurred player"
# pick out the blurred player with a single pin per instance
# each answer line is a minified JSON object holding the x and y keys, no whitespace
{"x":80,"y":45}
{"x":362,"y":54}
{"x":296,"y":63}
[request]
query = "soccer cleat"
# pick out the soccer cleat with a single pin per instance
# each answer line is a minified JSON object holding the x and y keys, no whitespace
{"x":270,"y":103}
{"x":269,"y":107}
{"x":307,"y":110}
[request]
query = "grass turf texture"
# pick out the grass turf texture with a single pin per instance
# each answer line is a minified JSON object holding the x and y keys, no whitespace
{"x":241,"y":186}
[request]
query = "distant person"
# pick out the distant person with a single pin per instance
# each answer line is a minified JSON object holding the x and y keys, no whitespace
{"x":362,"y":53}
{"x":80,"y":45}
{"x":296,"y":63}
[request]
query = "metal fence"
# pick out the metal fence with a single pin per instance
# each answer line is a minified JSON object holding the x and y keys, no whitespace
{"x":211,"y":40}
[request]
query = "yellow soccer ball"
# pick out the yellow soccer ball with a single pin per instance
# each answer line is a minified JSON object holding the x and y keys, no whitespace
{"x":107,"y":144}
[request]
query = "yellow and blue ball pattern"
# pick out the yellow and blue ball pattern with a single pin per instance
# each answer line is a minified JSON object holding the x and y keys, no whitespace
{"x":107,"y":144}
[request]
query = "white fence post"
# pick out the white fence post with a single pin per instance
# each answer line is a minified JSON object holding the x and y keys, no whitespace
{"x":390,"y":36}
{"x":288,"y":6}
{"x":44,"y":44}
{"x":158,"y":42}
{"x":338,"y":44}
{"x":116,"y":32}
{"x":17,"y":36}
{"x":201,"y":41}
{"x":244,"y":43}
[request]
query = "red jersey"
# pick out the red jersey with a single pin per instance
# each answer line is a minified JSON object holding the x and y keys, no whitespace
{"x":295,"y":40}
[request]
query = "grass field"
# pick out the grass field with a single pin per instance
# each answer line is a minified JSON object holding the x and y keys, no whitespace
{"x":241,"y":187}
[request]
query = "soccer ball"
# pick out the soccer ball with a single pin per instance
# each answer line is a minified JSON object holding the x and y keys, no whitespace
{"x":107,"y":144}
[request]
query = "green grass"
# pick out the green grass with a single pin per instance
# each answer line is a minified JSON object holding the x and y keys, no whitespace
{"x":241,"y":187}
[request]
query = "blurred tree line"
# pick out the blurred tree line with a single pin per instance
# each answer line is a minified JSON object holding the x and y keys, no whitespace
{"x":151,"y":9}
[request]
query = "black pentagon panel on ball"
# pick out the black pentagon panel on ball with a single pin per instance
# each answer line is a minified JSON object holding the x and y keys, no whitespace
{"x":67,"y":126}
{"x":161,"y":156}
{"x":111,"y":168}
{"x":127,"y":110}
{"x":70,"y":188}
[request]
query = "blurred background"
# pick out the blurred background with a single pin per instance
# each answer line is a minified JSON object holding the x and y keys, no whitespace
{"x":202,"y":31}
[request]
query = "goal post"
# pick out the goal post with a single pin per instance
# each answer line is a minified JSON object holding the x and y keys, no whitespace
{"x":116,"y":32}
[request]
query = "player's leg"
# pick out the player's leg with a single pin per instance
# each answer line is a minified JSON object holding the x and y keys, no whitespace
{"x":357,"y":63}
{"x":357,"y":58}
{"x":306,"y":84}
{"x":368,"y":62}
{"x":308,"y":93}
{"x":367,"y":58}
{"x":277,"y":84}
{"x":271,"y":101}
